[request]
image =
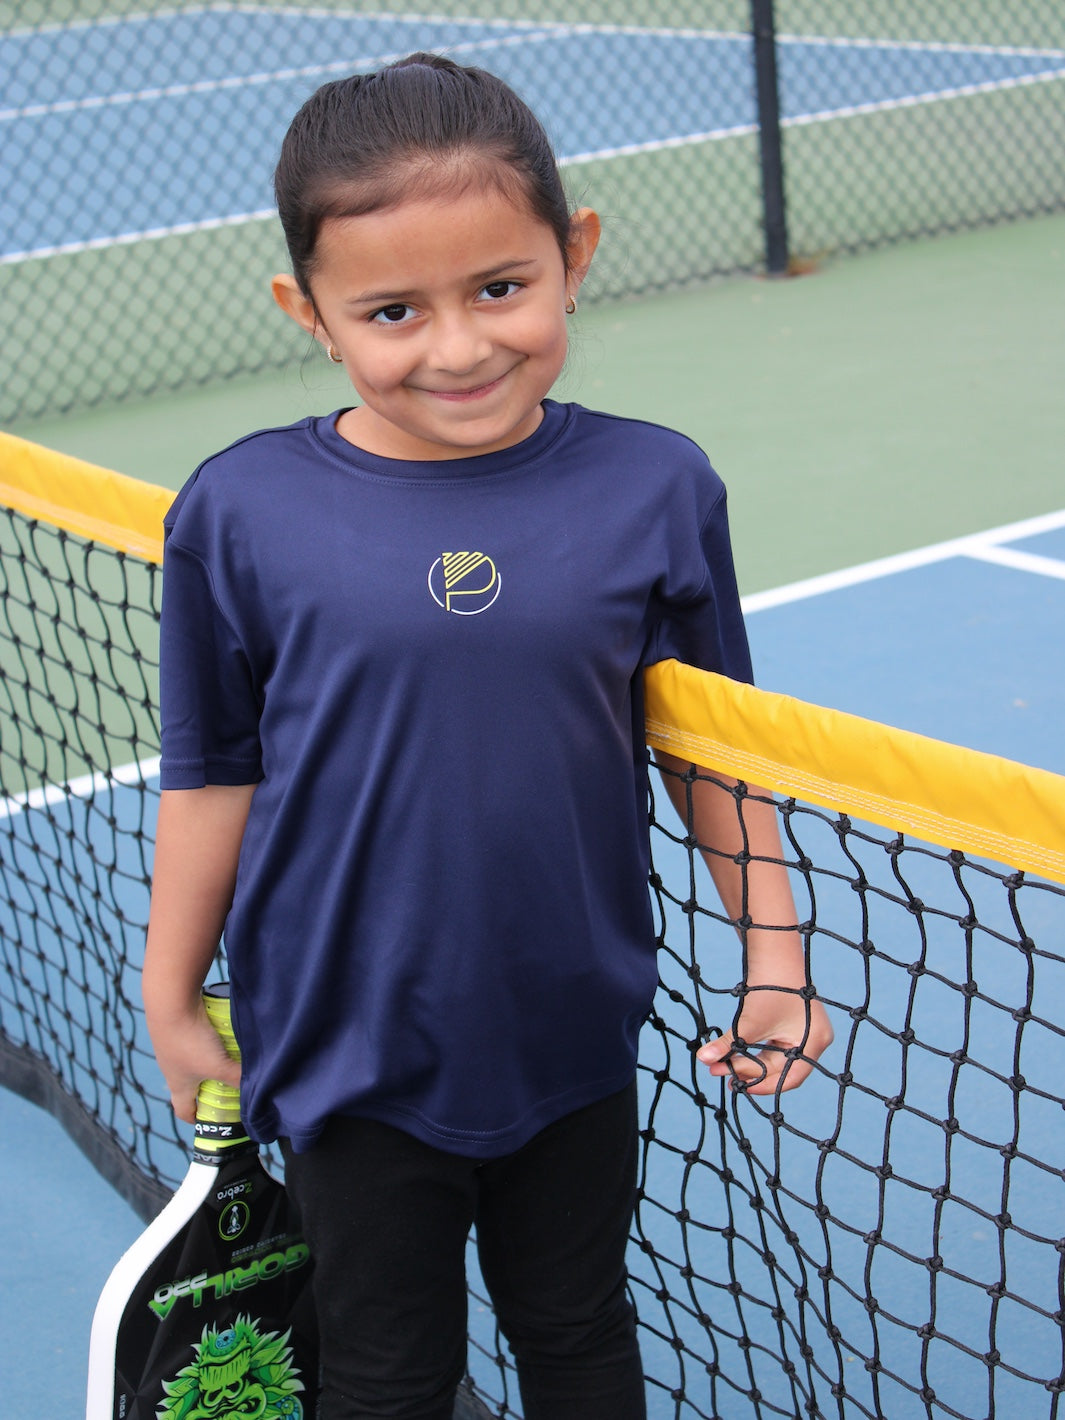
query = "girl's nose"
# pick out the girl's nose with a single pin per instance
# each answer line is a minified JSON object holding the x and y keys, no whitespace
{"x":458,"y":345}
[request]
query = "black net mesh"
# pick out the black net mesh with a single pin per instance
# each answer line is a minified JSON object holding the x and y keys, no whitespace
{"x":138,"y":143}
{"x":887,"y":1241}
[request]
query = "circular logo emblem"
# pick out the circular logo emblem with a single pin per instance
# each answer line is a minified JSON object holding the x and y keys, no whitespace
{"x":466,"y":583}
{"x":232,"y":1220}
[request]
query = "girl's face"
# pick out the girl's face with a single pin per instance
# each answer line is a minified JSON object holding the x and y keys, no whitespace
{"x":450,"y":318}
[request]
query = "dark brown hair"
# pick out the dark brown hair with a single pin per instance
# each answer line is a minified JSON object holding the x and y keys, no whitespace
{"x":421,"y":126}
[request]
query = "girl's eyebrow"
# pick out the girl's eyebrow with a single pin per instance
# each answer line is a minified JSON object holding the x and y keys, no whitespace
{"x":384,"y":298}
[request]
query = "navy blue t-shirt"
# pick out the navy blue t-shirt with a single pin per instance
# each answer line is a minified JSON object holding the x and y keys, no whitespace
{"x":432,"y":672}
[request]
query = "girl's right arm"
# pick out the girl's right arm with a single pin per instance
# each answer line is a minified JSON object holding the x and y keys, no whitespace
{"x":196,"y":852}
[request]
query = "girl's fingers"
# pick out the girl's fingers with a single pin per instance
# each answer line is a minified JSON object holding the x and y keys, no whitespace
{"x":763,"y":1068}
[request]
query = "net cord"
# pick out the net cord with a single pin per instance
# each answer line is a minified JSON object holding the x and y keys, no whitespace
{"x":957,"y":798}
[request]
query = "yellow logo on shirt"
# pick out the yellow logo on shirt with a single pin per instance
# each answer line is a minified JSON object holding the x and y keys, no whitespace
{"x":464,"y":582}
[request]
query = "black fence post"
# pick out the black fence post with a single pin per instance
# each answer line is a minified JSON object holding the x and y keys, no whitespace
{"x":774,"y":208}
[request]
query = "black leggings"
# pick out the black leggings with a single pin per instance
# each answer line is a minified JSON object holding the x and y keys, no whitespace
{"x":387,"y":1218}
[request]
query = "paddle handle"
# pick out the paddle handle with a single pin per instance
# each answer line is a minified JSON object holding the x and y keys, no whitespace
{"x":218,"y":1104}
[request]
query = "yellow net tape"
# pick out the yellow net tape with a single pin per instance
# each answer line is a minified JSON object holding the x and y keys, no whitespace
{"x":956,"y":798}
{"x":83,"y":498}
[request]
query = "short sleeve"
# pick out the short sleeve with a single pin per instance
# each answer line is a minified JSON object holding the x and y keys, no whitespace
{"x":209,"y":706}
{"x":700,"y":621}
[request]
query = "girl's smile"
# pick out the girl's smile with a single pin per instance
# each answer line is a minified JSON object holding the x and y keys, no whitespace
{"x":476,"y":393}
{"x":449,"y":316}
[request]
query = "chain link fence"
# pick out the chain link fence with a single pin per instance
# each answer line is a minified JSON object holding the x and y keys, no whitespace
{"x":137,"y":142}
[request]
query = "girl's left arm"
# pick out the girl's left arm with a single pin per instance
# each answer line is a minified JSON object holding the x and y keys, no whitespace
{"x":772,"y":1015}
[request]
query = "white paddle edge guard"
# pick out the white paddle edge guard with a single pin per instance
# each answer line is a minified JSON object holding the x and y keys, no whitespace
{"x":127,"y":1272}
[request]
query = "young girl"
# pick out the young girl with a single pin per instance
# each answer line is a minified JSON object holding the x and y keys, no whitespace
{"x":404,"y":763}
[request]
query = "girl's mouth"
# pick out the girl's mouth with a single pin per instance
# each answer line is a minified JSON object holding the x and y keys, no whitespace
{"x":466,"y":395}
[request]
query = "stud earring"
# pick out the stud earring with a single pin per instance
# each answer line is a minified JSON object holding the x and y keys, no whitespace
{"x":571,"y":306}
{"x":336,"y":359}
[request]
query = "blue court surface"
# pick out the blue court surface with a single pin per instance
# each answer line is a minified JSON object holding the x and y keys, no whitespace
{"x":173,"y":121}
{"x":960,"y":642}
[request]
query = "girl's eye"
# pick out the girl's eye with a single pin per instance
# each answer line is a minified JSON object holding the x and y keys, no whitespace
{"x":498,"y":290}
{"x":392,"y":315}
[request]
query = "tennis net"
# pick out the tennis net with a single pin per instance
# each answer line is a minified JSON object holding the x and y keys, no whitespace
{"x":885,"y":1242}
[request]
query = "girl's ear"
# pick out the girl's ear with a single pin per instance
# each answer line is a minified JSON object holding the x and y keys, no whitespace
{"x":294,"y":303}
{"x":584,"y":230}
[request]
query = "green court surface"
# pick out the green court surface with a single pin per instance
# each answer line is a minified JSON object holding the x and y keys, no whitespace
{"x":881,"y":403}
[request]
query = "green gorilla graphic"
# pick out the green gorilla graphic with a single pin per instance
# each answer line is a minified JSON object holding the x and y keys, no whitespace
{"x":236,"y":1374}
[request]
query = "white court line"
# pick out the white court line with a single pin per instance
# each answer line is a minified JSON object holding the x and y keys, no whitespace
{"x":933,"y":96}
{"x":242,"y":81}
{"x":1022,"y":561}
{"x":670,"y":31}
{"x":984,"y":546}
{"x":131,"y":776}
{"x":151,"y":234}
{"x":929,"y":46}
{"x":802,"y":120}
